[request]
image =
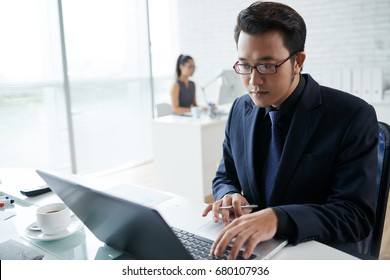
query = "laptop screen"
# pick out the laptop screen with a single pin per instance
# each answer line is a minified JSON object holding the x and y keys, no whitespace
{"x":125,"y":226}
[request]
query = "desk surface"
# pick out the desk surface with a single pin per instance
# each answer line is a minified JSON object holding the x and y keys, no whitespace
{"x":84,"y":245}
{"x":188,"y":119}
{"x":185,"y":147}
{"x":204,"y":120}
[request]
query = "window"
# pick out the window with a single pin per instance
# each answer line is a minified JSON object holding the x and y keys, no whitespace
{"x":33,"y":131}
{"x":107,"y":44}
{"x":108,"y":65}
{"x":164,"y":46}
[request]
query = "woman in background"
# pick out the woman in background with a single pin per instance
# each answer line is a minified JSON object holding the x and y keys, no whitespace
{"x":183,"y":90}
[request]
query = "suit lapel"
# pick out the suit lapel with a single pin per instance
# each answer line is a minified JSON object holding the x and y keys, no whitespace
{"x":250,"y":117}
{"x":306,"y":119}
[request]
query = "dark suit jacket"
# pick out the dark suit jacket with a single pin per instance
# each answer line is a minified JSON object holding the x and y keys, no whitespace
{"x":326,"y":180}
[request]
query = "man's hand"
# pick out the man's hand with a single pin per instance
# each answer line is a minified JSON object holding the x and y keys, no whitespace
{"x":248,"y":230}
{"x":236,"y":200}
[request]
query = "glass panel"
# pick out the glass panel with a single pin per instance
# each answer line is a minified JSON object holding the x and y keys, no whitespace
{"x":33,"y":129}
{"x":108,"y":65}
{"x":165,"y":46}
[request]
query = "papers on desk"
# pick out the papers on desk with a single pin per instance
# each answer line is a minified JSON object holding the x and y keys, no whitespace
{"x":138,"y":195}
{"x":4,"y":215}
{"x":8,"y":230}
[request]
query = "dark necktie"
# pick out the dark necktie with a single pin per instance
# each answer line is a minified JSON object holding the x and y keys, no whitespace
{"x":273,"y":157}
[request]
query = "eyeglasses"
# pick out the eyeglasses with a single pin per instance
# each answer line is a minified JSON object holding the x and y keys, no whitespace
{"x":265,"y":69}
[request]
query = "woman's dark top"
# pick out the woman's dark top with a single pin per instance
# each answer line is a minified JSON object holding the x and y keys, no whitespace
{"x":186,"y":94}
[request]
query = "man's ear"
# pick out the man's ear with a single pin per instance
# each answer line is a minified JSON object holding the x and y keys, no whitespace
{"x":299,"y":60}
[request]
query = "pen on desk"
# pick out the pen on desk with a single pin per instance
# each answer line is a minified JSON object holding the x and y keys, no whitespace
{"x":248,"y":206}
{"x":7,"y":201}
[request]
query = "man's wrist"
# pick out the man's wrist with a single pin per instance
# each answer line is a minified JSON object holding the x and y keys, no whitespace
{"x":286,"y":226}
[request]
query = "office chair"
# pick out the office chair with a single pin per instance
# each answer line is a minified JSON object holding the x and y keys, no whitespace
{"x":370,"y":247}
{"x":163,"y":109}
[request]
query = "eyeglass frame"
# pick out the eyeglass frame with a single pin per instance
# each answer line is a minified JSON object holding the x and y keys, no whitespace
{"x":263,"y":64}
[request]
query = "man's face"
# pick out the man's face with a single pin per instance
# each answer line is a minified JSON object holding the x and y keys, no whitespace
{"x":267,"y":48}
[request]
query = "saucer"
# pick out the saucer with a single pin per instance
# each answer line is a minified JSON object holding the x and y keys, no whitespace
{"x":75,"y":225}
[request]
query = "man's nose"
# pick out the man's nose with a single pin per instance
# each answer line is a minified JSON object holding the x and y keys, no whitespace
{"x":256,"y":78}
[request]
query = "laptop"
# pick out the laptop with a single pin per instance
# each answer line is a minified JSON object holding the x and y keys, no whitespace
{"x":132,"y":228}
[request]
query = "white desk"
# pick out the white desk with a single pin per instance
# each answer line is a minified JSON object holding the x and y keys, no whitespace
{"x":187,"y":153}
{"x":84,"y":245}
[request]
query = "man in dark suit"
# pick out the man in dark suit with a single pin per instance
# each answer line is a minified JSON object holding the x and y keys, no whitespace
{"x":326,"y":175}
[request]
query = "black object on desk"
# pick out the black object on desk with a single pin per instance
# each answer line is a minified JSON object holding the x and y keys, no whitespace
{"x":34,"y":191}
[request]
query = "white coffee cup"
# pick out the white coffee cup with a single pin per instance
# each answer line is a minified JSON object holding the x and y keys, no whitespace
{"x":53,"y":218}
{"x":196,"y":112}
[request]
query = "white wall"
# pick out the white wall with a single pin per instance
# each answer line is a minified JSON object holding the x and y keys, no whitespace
{"x":345,"y":34}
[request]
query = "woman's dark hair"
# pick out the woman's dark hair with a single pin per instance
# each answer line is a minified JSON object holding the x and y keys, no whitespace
{"x":261,"y":17}
{"x":181,"y":60}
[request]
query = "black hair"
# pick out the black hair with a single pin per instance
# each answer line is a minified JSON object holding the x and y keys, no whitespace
{"x":261,"y":17}
{"x":181,"y":60}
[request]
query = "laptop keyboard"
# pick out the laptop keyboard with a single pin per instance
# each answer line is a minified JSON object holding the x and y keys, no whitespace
{"x":199,"y":247}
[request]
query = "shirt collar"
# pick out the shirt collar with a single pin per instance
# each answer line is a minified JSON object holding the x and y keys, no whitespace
{"x":288,"y":106}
